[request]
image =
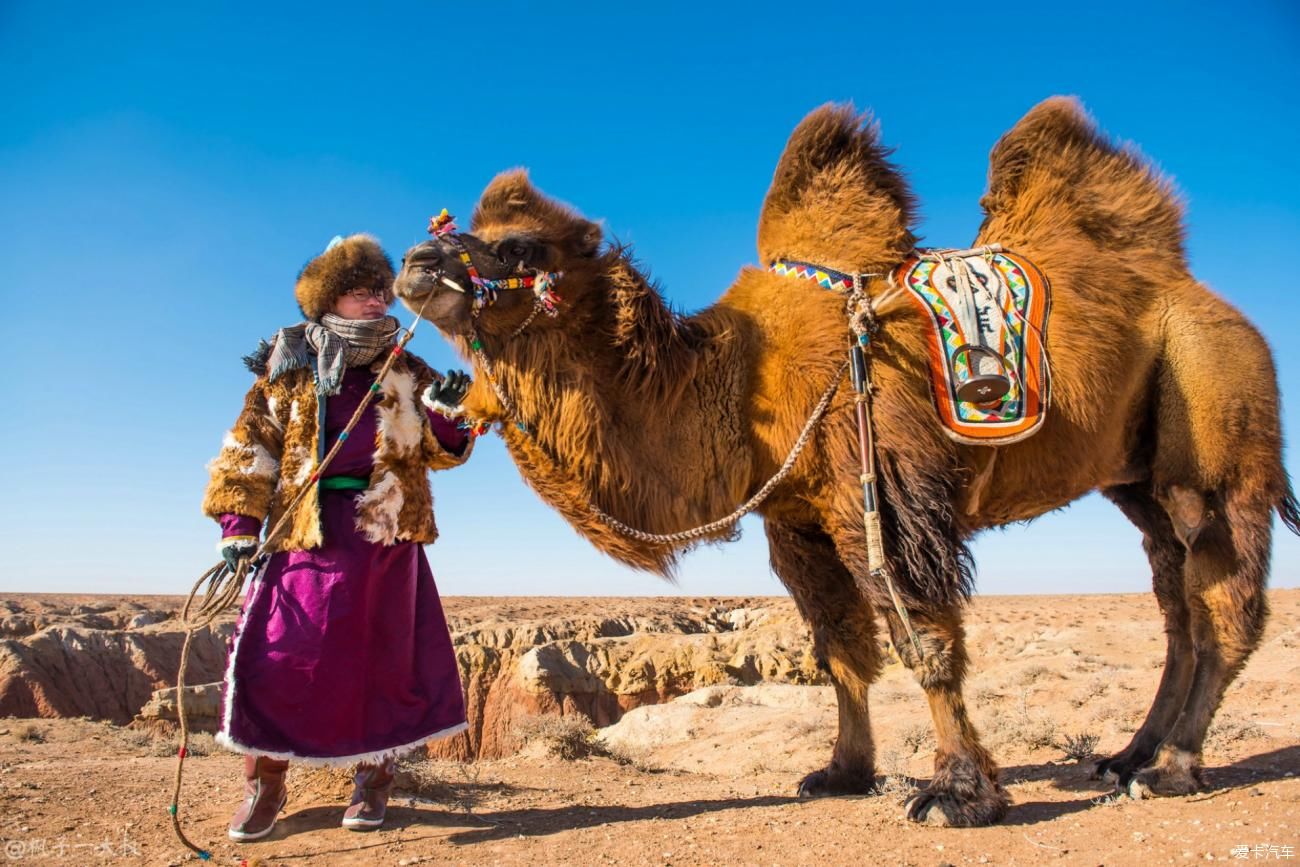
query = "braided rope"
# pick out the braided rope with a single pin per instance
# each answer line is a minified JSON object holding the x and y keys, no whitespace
{"x":749,"y":505}
{"x":695,"y":533}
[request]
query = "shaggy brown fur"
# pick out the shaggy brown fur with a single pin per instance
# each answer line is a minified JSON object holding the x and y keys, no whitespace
{"x":357,"y":261}
{"x":275,"y":446}
{"x":1138,"y":411}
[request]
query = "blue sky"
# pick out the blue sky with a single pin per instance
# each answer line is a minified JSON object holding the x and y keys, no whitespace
{"x":166,"y":170}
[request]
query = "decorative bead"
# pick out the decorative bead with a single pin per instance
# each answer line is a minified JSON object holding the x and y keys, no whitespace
{"x":315,"y":477}
{"x":397,"y":350}
{"x":172,"y":809}
{"x":374,"y":386}
{"x":476,"y":345}
{"x":180,"y":754}
{"x":863,"y":340}
{"x":343,"y":436}
{"x":522,"y":427}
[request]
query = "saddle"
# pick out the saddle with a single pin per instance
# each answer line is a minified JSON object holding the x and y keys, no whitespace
{"x":987,"y":343}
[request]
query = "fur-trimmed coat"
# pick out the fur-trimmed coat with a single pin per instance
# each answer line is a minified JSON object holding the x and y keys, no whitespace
{"x":275,"y":446}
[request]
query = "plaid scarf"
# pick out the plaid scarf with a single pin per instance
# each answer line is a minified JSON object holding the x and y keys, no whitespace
{"x":336,"y":342}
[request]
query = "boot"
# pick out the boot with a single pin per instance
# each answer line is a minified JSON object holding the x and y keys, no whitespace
{"x":369,"y":797}
{"x":264,"y":798}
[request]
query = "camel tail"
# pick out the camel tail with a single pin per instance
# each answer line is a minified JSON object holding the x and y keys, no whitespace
{"x":1289,"y":510}
{"x":1055,"y":168}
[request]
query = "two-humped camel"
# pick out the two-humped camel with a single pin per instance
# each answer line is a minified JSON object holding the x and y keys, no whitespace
{"x":1164,"y":398}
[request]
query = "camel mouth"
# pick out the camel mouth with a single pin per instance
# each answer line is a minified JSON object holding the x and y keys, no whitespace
{"x":422,"y":278}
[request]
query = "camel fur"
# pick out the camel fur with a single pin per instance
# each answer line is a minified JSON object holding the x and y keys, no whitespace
{"x":667,"y":421}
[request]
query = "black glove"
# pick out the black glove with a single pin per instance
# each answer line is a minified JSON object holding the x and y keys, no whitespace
{"x":445,"y":396}
{"x":236,"y":549}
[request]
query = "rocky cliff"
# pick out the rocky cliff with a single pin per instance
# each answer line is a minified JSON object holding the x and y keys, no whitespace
{"x":65,"y":656}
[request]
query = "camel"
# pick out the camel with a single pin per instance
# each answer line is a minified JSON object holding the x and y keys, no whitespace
{"x":667,"y":421}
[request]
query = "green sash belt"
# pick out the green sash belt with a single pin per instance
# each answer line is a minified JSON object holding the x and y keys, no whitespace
{"x":344,"y":483}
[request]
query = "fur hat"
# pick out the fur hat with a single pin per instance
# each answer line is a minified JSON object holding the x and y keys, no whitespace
{"x":356,"y":260}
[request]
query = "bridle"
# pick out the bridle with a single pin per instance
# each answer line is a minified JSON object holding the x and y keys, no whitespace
{"x":485,"y":292}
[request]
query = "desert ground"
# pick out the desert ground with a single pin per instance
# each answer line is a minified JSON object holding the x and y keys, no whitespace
{"x":648,"y":731}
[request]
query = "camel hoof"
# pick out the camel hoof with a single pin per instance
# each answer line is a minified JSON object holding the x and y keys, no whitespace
{"x":926,"y":809}
{"x":1163,"y":782}
{"x":1116,"y":770}
{"x":945,"y":809}
{"x":1115,"y":776}
{"x":828,"y":783}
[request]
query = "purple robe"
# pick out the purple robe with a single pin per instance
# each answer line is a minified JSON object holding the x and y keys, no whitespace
{"x":341,"y":654}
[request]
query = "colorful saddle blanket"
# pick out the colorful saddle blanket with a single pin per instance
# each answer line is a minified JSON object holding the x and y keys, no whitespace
{"x":988,"y":310}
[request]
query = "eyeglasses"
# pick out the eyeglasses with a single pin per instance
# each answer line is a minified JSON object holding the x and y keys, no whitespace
{"x":360,"y":293}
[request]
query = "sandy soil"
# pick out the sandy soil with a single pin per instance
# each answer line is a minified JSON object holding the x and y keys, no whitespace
{"x":717,"y":788}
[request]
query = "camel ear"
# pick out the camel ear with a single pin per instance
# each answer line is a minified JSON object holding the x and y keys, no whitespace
{"x":588,"y":238}
{"x":509,"y":194}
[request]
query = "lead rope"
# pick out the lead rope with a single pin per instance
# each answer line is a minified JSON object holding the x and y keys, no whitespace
{"x":695,"y":533}
{"x":862,"y":323}
{"x":224,"y":585}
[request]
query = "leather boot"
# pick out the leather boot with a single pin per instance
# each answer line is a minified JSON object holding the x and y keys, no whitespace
{"x":264,"y":798}
{"x":373,"y":783}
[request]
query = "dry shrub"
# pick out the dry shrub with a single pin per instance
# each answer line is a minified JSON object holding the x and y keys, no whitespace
{"x":638,"y":759}
{"x":1081,"y":746}
{"x":985,"y":695}
{"x":1033,"y":674}
{"x":801,"y":728}
{"x":1020,"y":727}
{"x":418,"y":776}
{"x":151,"y":743}
{"x":918,"y":737}
{"x":1228,"y":730}
{"x":29,"y":731}
{"x":1119,"y":715}
{"x":1095,"y":688}
{"x":896,"y":785}
{"x":568,"y":737}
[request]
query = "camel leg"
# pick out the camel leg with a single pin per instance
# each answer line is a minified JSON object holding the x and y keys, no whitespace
{"x":844,"y":643}
{"x":1225,"y":573}
{"x":964,"y":791}
{"x":1166,"y":554}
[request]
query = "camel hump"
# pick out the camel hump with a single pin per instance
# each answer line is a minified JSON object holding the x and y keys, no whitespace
{"x":835,"y":197}
{"x":1056,"y":164}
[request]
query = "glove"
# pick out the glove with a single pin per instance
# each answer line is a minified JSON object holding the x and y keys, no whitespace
{"x":237,"y":548}
{"x":445,"y":396}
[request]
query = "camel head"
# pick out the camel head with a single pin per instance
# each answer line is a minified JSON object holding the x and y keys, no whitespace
{"x":515,"y":231}
{"x":836,"y":199}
